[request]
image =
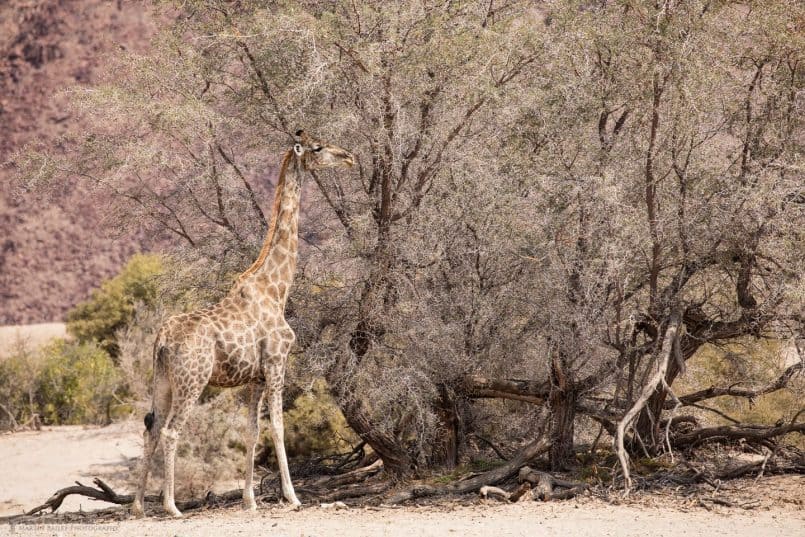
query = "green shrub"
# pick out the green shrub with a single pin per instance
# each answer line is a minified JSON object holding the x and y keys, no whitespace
{"x":64,"y":382}
{"x":19,"y":376}
{"x":113,"y":306}
{"x":76,"y":383}
{"x":314,"y":426}
{"x":747,"y":364}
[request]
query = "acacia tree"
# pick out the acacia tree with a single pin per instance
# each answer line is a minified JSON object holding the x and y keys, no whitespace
{"x":670,"y":151}
{"x":412,"y":88}
{"x":542,"y":193}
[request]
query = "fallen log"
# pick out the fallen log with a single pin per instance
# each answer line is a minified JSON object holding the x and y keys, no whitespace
{"x":544,"y":485}
{"x":492,"y":477}
{"x":103,"y":493}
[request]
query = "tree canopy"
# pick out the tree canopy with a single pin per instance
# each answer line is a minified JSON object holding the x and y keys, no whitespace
{"x":549,"y":196}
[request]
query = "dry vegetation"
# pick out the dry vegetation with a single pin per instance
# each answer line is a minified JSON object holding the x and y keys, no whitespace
{"x":571,"y":221}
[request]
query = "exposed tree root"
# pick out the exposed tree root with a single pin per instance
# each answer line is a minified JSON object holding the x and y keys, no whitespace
{"x":357,"y":486}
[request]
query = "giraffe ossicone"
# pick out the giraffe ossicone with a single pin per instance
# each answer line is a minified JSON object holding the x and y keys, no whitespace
{"x":243,"y":340}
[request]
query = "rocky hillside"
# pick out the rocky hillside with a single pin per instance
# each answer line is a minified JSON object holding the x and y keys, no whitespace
{"x":54,"y":249}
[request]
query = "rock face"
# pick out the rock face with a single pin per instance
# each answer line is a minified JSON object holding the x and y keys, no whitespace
{"x":54,"y":249}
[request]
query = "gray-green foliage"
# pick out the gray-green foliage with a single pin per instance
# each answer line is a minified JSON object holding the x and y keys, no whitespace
{"x":534,"y":180}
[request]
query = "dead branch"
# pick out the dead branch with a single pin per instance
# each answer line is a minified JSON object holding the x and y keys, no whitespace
{"x":772,"y":466}
{"x":487,"y":491}
{"x":492,"y":445}
{"x":654,"y":383}
{"x":102,"y":493}
{"x":348,"y":478}
{"x":735,"y":432}
{"x":711,"y":392}
{"x":354,"y":491}
{"x":516,"y":389}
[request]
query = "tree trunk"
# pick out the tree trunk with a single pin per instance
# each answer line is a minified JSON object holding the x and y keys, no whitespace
{"x":396,"y":460}
{"x":563,"y":408}
{"x":648,"y":423}
{"x":445,"y":453}
{"x":563,"y":415}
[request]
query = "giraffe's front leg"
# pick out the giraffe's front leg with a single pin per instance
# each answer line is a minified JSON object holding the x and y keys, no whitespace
{"x":251,"y":434}
{"x":278,"y":437}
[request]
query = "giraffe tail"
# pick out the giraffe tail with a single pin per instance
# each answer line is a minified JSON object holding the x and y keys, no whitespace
{"x":160,"y":404}
{"x":149,"y":421}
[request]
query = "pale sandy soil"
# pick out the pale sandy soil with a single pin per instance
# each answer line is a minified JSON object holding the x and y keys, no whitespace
{"x":564,"y":519}
{"x":34,"y":464}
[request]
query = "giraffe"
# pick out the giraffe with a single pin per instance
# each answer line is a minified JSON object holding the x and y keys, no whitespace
{"x":243,"y":340}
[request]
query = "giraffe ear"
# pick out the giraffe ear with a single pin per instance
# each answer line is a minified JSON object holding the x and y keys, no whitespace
{"x":301,"y":137}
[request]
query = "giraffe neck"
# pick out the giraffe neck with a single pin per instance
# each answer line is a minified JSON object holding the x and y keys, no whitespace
{"x":273,"y":272}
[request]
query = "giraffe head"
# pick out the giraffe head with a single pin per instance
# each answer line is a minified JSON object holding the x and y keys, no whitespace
{"x":316,"y":154}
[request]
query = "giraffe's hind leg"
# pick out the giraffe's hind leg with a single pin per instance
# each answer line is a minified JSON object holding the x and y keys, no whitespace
{"x":153,"y":425}
{"x":251,"y":434}
{"x":181,"y":406}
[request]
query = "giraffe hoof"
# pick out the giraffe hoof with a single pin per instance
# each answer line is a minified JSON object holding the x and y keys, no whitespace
{"x":137,"y":510}
{"x":250,"y":505}
{"x":172,"y":511}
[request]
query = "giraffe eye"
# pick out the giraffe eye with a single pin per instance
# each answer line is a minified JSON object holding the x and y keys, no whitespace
{"x":317,"y":148}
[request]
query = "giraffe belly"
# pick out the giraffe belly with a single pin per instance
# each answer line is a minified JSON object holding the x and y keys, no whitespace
{"x":235,"y":367}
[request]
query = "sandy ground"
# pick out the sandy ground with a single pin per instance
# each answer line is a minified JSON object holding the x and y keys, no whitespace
{"x":34,"y":464}
{"x":565,"y":519}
